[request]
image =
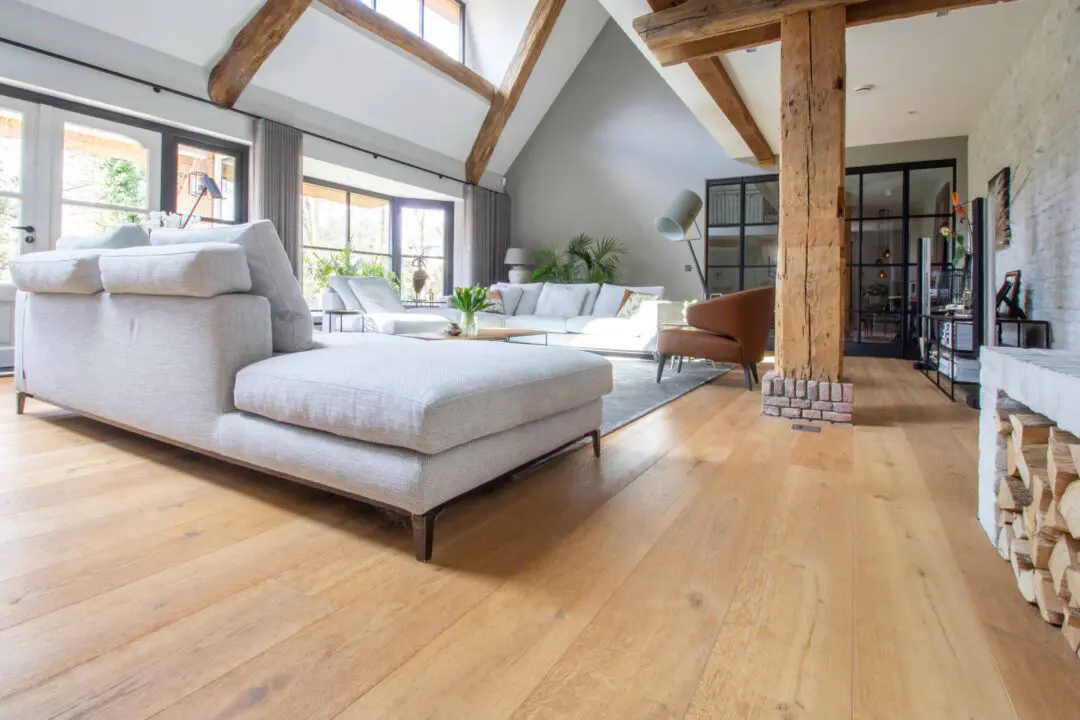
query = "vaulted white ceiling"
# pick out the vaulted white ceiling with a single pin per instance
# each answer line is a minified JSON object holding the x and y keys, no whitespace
{"x":327,"y":63}
{"x":945,"y":69}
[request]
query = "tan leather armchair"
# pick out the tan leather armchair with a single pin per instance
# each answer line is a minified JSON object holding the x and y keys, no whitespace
{"x":731,"y":329}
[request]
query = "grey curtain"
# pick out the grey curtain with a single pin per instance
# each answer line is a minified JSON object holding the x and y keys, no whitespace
{"x":278,"y":184}
{"x":487,"y":234}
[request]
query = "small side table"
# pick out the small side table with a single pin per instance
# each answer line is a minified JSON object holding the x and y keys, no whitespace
{"x":328,"y":319}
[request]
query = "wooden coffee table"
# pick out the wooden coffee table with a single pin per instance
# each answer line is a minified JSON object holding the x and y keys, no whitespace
{"x":485,"y":334}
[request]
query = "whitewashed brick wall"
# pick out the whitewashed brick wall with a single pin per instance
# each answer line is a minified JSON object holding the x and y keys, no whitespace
{"x":1032,"y":125}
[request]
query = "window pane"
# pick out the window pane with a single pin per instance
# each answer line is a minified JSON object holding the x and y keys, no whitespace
{"x":761,"y":246}
{"x":430,"y":283}
{"x":759,"y":277}
{"x":312,"y":292}
{"x":80,"y":220}
{"x":404,"y":12}
{"x":369,"y":228}
{"x":931,"y":191}
{"x":423,"y":230}
{"x":192,"y":165}
{"x":763,"y":203}
{"x":882,"y":241}
{"x":325,"y":212}
{"x":9,"y":239}
{"x":883,"y":194}
{"x":723,"y":280}
{"x":851,"y":195}
{"x":442,"y":26}
{"x":11,"y":133}
{"x":882,"y":303}
{"x":930,"y":228}
{"x":105,"y":167}
{"x":724,"y":206}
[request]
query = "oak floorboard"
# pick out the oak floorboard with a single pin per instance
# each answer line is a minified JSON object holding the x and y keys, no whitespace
{"x":712,"y":563}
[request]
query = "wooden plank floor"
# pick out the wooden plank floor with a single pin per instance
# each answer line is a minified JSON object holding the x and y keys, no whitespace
{"x":713,"y":564}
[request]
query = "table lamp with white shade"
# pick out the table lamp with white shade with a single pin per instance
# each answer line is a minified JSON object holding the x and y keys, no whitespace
{"x":673,"y":225}
{"x":521,"y":262}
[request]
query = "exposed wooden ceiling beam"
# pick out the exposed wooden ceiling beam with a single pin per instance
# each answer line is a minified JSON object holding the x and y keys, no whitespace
{"x":377,"y":24}
{"x":865,"y":13}
{"x":251,"y":47}
{"x":517,"y":75}
{"x":697,"y":19}
{"x":717,"y":82}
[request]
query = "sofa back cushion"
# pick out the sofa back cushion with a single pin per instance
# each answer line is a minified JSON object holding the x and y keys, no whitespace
{"x":590,"y":298}
{"x":197,"y":270}
{"x":73,"y":272}
{"x":271,"y":276}
{"x":340,"y":285}
{"x":530,"y":294}
{"x":563,"y":301}
{"x":511,"y":298}
{"x":122,"y":237}
{"x":611,"y":298}
{"x":375,"y":295}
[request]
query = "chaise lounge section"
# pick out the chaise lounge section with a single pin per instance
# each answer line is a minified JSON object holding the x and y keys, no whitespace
{"x":181,"y":343}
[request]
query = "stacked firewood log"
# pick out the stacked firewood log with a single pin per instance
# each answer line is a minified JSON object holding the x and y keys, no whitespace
{"x":1038,"y":514}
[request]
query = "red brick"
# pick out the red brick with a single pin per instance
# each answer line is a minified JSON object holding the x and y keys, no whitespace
{"x":769,"y":410}
{"x":776,"y":402}
{"x":792,"y":413}
{"x":849,"y":393}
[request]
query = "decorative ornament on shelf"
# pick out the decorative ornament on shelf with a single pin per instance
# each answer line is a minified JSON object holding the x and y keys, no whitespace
{"x":420,"y":274}
{"x":160,"y":220}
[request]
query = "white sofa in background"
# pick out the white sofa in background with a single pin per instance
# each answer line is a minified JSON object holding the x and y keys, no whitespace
{"x":580,"y":316}
{"x":201,"y":344}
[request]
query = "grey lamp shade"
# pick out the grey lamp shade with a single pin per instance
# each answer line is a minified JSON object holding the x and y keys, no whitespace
{"x":680,"y":215}
{"x":519,"y":256}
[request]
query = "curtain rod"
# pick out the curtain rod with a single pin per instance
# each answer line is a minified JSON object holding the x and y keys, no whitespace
{"x":158,"y":88}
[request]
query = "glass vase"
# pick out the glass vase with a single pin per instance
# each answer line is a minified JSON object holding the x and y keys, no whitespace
{"x":468,"y":324}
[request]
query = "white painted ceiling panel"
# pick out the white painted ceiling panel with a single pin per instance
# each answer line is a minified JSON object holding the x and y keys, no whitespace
{"x":198,"y":31}
{"x":333,"y":65}
{"x":944,"y":68}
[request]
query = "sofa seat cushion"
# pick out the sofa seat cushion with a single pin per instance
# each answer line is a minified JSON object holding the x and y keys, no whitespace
{"x":402,"y":323}
{"x":73,"y":272}
{"x":537,"y":322}
{"x":424,"y":396}
{"x":588,"y":325}
{"x":199,"y":270}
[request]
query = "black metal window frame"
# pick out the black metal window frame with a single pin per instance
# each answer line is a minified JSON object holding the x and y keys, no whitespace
{"x":374,"y":4}
{"x":397,"y":204}
{"x":741,"y":265}
{"x":171,"y":139}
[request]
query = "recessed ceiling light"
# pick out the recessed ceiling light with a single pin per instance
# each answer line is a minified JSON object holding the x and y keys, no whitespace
{"x":751,"y":50}
{"x":912,"y":112}
{"x":942,"y":13}
{"x":864,"y":90}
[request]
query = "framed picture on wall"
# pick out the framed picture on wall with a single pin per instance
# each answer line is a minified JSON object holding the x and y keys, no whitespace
{"x":999,"y":190}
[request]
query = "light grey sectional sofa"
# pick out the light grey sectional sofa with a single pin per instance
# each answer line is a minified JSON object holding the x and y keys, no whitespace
{"x":207,"y":345}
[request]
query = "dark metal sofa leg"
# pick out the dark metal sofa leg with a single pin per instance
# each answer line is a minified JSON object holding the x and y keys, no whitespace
{"x":679,"y":370}
{"x":748,"y":376}
{"x":423,"y":533}
{"x":595,"y":437}
{"x":20,"y":402}
{"x":661,"y":361}
{"x":753,"y":371}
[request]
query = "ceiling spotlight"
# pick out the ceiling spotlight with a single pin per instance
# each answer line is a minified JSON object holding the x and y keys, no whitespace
{"x":912,"y":112}
{"x":864,"y":90}
{"x":881,"y":275}
{"x":942,"y":13}
{"x":751,"y":50}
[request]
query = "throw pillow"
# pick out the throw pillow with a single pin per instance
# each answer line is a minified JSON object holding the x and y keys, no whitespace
{"x":530,"y":294}
{"x":376,"y":295}
{"x":511,"y":297}
{"x":564,"y":301}
{"x":632,"y":304}
{"x":496,"y":306}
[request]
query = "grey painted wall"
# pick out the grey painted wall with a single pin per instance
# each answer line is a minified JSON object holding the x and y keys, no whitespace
{"x":611,"y":153}
{"x":615,"y":148}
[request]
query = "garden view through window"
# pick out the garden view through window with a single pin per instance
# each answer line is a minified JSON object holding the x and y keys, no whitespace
{"x":440,"y":22}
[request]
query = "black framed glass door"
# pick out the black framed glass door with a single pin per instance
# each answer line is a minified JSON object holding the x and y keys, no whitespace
{"x":892,"y":211}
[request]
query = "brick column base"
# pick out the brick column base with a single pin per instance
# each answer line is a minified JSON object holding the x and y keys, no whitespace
{"x":807,"y":400}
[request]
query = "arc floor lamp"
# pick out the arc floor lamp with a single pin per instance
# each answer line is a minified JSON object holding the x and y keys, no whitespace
{"x":676,"y":222}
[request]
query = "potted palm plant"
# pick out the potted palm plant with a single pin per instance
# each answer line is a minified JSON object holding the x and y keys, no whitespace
{"x":470,"y":301}
{"x":585,"y":260}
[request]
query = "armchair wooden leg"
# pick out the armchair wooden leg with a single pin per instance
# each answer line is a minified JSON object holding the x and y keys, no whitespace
{"x":661,"y":361}
{"x":423,"y":532}
{"x":20,"y":402}
{"x":748,"y":376}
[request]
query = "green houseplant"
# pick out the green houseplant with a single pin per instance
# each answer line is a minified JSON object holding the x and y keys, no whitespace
{"x":585,"y":260}
{"x":470,"y":301}
{"x":342,"y":262}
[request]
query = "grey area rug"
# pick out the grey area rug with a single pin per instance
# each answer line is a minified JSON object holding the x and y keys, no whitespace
{"x":636,"y":392}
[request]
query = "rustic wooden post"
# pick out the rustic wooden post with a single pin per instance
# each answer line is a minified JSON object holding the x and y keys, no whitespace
{"x":811,"y":268}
